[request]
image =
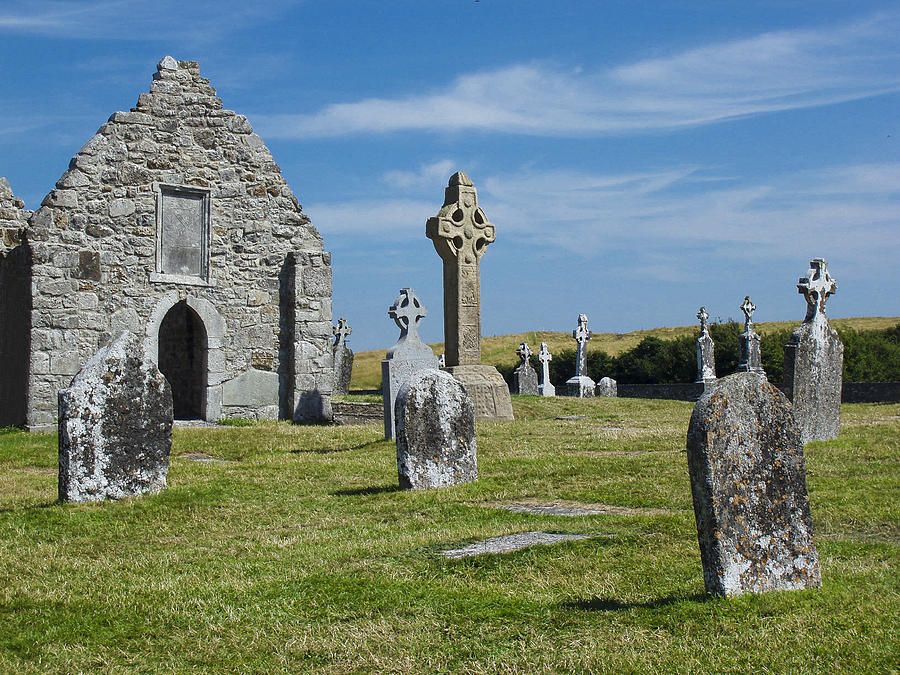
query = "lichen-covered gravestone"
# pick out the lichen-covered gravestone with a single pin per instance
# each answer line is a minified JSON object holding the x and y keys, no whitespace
{"x":435,"y":432}
{"x":580,"y":384}
{"x":524,"y":377}
{"x":546,"y":387}
{"x":706,"y":351}
{"x":749,"y":489}
{"x":751,"y":356}
{"x":115,"y":426}
{"x":814,"y":360}
{"x":461,"y":234}
{"x":406,"y":357}
{"x":343,"y":357}
{"x":608,"y":387}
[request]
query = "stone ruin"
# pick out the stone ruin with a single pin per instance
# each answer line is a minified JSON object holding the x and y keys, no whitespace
{"x":814,"y":361}
{"x":115,"y":426}
{"x":524,"y":377}
{"x":546,"y":387}
{"x":461,"y":234}
{"x":343,"y":357}
{"x":580,"y":384}
{"x":408,"y":356}
{"x":748,"y":484}
{"x":751,"y":356}
{"x":706,"y":351}
{"x":173,"y":222}
{"x":435,"y":432}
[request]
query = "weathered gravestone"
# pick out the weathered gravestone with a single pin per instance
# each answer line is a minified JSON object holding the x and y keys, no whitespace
{"x":461,"y":233}
{"x":751,"y":356}
{"x":115,"y":426}
{"x":749,"y":488}
{"x":546,"y":387}
{"x":607,"y":387}
{"x":706,"y":351}
{"x":580,"y":384}
{"x":343,"y":357}
{"x":435,"y":432}
{"x":406,"y":357}
{"x":814,"y":360}
{"x":525,"y":379}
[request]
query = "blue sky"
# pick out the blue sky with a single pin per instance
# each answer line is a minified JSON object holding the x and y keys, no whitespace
{"x":638,"y":159}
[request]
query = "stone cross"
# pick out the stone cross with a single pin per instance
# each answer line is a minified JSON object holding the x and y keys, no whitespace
{"x":341,"y":332}
{"x":461,"y":233}
{"x":816,"y":286}
{"x":407,"y":311}
{"x":704,"y":317}
{"x":581,"y":335}
{"x":524,"y":352}
{"x":546,"y":388}
{"x":747,"y":307}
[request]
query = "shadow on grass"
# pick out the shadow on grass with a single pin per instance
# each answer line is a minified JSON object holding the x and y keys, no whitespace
{"x":47,"y":505}
{"x":356,"y":492}
{"x":613,"y":605}
{"x":325,"y":451}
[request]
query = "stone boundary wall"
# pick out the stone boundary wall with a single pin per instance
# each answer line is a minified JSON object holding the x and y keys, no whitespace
{"x":689,"y":391}
{"x":851,"y":392}
{"x":870,"y":392}
{"x":356,"y":412}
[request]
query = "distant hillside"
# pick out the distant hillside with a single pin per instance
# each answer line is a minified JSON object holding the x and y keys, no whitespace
{"x":501,"y":349}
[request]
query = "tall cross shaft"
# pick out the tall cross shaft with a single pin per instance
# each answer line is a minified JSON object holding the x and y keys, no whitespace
{"x":581,"y":335}
{"x":461,"y":233}
{"x":816,"y":286}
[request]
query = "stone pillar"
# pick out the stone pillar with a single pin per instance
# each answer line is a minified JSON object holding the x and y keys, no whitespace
{"x":580,"y":384}
{"x":343,"y":357}
{"x":461,"y":234}
{"x":313,"y":364}
{"x":525,"y":380}
{"x":751,"y":356}
{"x":546,"y":387}
{"x":814,"y":360}
{"x":706,"y":351}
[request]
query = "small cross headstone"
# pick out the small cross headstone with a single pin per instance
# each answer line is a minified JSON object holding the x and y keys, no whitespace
{"x":580,"y":384}
{"x":435,"y":432}
{"x":525,"y":379}
{"x":706,"y":351}
{"x":814,"y":359}
{"x":748,"y":484}
{"x":546,"y":387}
{"x":406,"y":357}
{"x":751,"y":356}
{"x":343,"y":357}
{"x":115,"y":426}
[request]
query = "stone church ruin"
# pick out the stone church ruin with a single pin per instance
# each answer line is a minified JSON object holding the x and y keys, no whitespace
{"x":173,"y":222}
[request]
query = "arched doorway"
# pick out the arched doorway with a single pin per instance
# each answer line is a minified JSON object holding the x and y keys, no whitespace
{"x":183,"y":360}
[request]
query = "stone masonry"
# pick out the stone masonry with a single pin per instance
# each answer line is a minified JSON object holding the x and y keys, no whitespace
{"x":174,"y":222}
{"x":706,"y":351}
{"x":814,"y":360}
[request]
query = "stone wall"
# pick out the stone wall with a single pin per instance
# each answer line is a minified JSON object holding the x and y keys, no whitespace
{"x":253,"y":267}
{"x":678,"y":392}
{"x":851,"y":392}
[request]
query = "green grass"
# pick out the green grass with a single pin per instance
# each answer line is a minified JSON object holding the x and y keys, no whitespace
{"x":295,"y":552}
{"x":501,"y":349}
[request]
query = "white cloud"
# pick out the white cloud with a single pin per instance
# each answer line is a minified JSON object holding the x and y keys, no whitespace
{"x":770,"y":72}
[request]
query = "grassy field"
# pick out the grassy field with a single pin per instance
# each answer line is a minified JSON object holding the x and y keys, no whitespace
{"x":501,"y":349}
{"x":294,"y":551}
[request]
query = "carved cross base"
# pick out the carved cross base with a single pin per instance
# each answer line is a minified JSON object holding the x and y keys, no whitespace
{"x":488,"y":390}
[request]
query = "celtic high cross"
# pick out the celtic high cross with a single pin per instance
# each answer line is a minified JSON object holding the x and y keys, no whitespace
{"x":524,"y":352}
{"x":816,"y":286}
{"x":704,"y":317}
{"x":545,"y":357}
{"x":581,"y":335}
{"x":461,"y":233}
{"x":406,"y":312}
{"x":747,"y":307}
{"x":341,"y":332}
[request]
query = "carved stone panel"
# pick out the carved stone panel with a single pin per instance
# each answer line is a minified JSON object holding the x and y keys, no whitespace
{"x":183,"y":227}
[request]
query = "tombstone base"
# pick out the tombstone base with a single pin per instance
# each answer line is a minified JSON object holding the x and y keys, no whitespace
{"x":488,"y":390}
{"x":580,"y":386}
{"x":546,"y":390}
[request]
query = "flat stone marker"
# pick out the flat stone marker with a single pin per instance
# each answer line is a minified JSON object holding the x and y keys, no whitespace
{"x":511,"y":542}
{"x":525,"y":379}
{"x":749,"y":489}
{"x":546,"y":387}
{"x":550,"y":510}
{"x":607,"y":387}
{"x":751,"y":356}
{"x":115,"y":426}
{"x":706,"y":351}
{"x":461,"y":234}
{"x":435,"y":432}
{"x":814,"y":361}
{"x":580,"y":384}
{"x":408,"y":356}
{"x":343,"y":357}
